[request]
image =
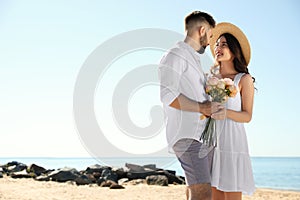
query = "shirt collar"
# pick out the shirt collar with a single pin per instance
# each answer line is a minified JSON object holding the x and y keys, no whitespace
{"x":189,"y":48}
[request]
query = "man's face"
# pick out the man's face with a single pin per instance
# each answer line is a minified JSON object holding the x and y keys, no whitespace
{"x":204,"y":39}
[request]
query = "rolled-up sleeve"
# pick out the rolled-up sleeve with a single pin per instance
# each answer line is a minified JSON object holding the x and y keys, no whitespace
{"x":170,"y":71}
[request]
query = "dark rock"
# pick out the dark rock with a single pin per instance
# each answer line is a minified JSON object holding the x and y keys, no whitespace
{"x":38,"y":170}
{"x":116,"y":186}
{"x":150,"y":166}
{"x":140,"y":172}
{"x":97,"y":175}
{"x":96,"y":168}
{"x":171,"y":171}
{"x":107,"y":174}
{"x":82,"y":180}
{"x":14,"y":166}
{"x":64,"y":174}
{"x":140,"y":175}
{"x":100,"y":181}
{"x":134,"y":168}
{"x":107,"y":183}
{"x":22,"y":174}
{"x":172,"y":178}
{"x":48,"y":171}
{"x":121,"y":172}
{"x":157,"y":180}
{"x":91,"y":178}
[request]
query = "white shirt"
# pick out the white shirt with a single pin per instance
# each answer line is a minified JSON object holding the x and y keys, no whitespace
{"x":180,"y":72}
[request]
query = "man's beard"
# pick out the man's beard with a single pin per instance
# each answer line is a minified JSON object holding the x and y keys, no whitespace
{"x":203,"y":44}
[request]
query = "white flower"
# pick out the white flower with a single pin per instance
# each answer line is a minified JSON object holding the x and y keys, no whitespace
{"x":221,"y":84}
{"x":212,"y":81}
{"x":228,"y":81}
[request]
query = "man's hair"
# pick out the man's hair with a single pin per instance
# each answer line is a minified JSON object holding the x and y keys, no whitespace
{"x":197,"y":16}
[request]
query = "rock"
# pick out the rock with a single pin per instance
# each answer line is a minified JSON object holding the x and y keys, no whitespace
{"x":122,"y":181}
{"x":136,"y":182}
{"x":170,"y":171}
{"x":38,"y":170}
{"x":91,"y":178}
{"x":107,"y":174}
{"x":139,"y":172}
{"x":42,"y":177}
{"x":1,"y":172}
{"x":157,"y":180}
{"x":134,"y":168}
{"x":14,"y":166}
{"x":97,"y":175}
{"x":22,"y":174}
{"x":140,"y":175}
{"x":150,"y":166}
{"x":116,"y":186}
{"x":121,"y":172}
{"x":64,"y":174}
{"x":48,"y":171}
{"x":100,"y":181}
{"x":82,"y":180}
{"x":96,"y":168}
{"x":107,"y":183}
{"x":172,"y":178}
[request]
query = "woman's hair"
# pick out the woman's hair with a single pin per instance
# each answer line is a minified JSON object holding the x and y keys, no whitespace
{"x":239,"y":61}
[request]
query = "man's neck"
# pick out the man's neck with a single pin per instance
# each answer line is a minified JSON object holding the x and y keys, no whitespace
{"x":193,"y":43}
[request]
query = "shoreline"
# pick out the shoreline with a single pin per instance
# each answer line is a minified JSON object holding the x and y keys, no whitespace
{"x":82,"y":163}
{"x":279,"y":189}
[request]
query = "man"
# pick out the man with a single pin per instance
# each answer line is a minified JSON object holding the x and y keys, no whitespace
{"x":183,"y":95}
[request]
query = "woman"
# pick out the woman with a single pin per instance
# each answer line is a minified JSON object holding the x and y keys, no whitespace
{"x":232,"y":171}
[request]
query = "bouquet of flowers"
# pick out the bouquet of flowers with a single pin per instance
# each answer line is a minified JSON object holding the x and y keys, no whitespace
{"x":219,"y":90}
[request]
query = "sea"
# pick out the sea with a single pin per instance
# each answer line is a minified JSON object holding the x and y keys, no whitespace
{"x":269,"y":172}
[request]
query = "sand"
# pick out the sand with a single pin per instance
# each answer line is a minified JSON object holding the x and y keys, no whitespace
{"x":29,"y":189}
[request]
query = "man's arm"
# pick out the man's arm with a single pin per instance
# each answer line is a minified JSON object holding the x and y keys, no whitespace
{"x":186,"y":104}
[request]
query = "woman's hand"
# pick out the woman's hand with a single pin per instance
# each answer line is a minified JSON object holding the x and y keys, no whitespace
{"x":220,"y":115}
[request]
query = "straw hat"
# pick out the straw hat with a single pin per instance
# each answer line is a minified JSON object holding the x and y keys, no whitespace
{"x":226,"y":27}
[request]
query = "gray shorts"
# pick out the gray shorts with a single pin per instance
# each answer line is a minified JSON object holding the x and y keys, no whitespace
{"x":197,"y":170}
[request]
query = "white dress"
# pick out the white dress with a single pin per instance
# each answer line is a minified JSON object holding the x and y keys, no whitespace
{"x":231,"y":169}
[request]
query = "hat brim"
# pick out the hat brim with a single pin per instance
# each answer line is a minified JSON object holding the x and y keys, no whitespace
{"x":226,"y":27}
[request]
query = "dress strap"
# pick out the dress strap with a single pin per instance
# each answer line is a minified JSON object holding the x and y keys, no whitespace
{"x":237,"y":78}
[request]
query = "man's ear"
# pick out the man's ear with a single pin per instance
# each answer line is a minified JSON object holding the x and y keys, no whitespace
{"x":202,"y":31}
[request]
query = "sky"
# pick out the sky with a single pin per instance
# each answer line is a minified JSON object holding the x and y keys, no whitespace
{"x":45,"y":44}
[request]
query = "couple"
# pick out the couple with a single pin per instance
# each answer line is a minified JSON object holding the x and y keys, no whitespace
{"x":225,"y":172}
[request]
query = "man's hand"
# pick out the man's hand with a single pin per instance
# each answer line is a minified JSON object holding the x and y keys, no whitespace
{"x":207,"y":108}
{"x":186,"y":104}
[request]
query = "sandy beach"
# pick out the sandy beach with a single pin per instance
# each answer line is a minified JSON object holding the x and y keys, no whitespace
{"x":29,"y":189}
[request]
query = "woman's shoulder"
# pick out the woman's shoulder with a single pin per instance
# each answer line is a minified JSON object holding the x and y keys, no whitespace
{"x":246,"y":77}
{"x":246,"y":80}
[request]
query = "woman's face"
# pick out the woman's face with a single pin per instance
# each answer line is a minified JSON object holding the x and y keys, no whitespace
{"x":222,"y":51}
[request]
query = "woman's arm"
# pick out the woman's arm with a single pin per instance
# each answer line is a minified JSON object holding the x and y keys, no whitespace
{"x":247,"y":95}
